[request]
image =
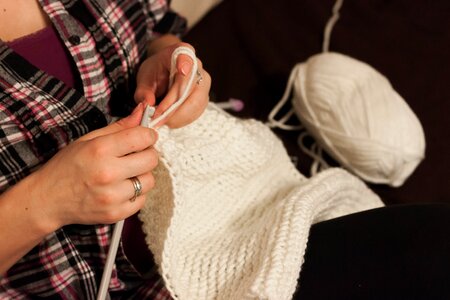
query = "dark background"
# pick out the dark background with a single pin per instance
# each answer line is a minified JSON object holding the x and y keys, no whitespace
{"x":250,"y":46}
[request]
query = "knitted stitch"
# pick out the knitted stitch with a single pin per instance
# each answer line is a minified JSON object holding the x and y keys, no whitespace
{"x":229,"y":216}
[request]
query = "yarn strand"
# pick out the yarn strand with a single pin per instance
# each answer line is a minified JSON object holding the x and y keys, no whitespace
{"x":319,"y":163}
{"x":281,"y":123}
{"x":316,"y":151}
{"x":330,"y":24}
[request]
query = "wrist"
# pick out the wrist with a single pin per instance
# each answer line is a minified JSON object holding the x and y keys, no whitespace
{"x":22,"y":221}
{"x":30,"y":201}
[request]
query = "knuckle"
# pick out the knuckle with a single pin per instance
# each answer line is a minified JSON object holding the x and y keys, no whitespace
{"x":146,"y":136}
{"x":150,"y":184}
{"x":111,"y":216}
{"x":154,"y":135}
{"x":199,"y":63}
{"x":97,"y":149}
{"x":119,"y":124}
{"x":104,"y":176}
{"x":154,"y":158}
{"x":206,"y":76}
{"x":199,"y":105}
{"x":140,"y":201}
{"x":150,"y":136}
{"x":105,"y":199}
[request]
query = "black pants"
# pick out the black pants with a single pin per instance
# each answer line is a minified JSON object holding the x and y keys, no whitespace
{"x":396,"y":252}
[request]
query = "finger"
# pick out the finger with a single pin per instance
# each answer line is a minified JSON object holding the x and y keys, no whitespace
{"x":188,"y":111}
{"x":172,"y":96}
{"x":131,"y":121}
{"x":129,"y":208}
{"x":193,"y":107}
{"x":124,"y":142}
{"x":127,"y":189}
{"x":137,"y":163}
{"x":122,"y":202}
{"x":148,"y":78}
{"x":184,"y":64}
{"x":145,"y":94}
{"x":153,"y":80}
{"x":133,"y":140}
{"x":184,"y":67}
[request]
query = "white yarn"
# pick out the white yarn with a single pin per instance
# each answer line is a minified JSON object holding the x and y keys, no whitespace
{"x":229,"y":215}
{"x":330,"y":24}
{"x":353,"y":112}
{"x":186,"y":91}
{"x":357,"y":117}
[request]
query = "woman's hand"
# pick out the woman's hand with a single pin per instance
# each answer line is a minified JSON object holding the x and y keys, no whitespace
{"x":88,"y":181}
{"x":153,"y":81}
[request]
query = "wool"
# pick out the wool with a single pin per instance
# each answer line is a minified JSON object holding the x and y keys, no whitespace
{"x":229,"y":215}
{"x":354,"y":113}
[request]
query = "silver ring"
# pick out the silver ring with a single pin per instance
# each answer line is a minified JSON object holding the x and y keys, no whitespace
{"x":200,"y":77}
{"x":137,"y":185}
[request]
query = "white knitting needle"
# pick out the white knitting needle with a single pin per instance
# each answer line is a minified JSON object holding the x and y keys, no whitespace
{"x":147,"y":122}
{"x":112,"y":252}
{"x":232,"y":103}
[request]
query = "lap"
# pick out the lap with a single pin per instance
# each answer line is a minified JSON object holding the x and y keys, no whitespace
{"x":396,"y":252}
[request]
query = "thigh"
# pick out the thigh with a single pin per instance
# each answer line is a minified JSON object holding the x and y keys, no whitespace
{"x":396,"y":252}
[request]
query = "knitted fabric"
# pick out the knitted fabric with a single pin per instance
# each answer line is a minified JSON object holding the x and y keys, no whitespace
{"x":229,"y":215}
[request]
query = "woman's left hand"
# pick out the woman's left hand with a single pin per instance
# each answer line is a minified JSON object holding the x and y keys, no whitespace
{"x":153,"y":81}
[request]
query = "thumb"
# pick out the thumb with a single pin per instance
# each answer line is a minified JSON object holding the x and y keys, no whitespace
{"x":130,"y":121}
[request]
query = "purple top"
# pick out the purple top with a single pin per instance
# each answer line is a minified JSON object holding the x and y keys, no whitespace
{"x":37,"y":48}
{"x":45,"y":50}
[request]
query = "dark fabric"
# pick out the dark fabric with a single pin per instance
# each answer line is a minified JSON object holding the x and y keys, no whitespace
{"x":134,"y":245}
{"x":396,"y":252}
{"x":250,"y":47}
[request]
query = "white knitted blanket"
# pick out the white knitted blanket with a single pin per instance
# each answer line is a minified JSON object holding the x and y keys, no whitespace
{"x":230,"y":215}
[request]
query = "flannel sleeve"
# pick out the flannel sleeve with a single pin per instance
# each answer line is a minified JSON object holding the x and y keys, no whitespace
{"x":161,"y":19}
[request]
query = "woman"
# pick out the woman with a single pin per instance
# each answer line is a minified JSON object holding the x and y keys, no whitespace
{"x":67,"y":70}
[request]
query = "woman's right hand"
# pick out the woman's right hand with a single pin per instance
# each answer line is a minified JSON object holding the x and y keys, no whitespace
{"x":88,"y":182}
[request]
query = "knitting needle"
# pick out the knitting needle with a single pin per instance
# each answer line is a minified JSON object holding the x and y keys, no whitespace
{"x":147,"y":121}
{"x":112,"y":251}
{"x":232,"y":103}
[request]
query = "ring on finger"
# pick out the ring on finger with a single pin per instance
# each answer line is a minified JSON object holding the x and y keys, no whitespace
{"x":137,"y":185}
{"x":200,"y":77}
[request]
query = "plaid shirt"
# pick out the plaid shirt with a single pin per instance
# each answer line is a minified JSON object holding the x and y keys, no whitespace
{"x":39,"y":114}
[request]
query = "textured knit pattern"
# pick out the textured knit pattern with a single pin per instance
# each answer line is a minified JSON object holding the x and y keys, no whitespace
{"x":230,"y":215}
{"x":39,"y":114}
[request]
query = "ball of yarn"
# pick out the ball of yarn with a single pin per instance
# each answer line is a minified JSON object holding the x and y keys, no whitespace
{"x":358,"y":118}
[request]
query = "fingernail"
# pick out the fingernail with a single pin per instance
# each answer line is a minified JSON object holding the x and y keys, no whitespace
{"x":186,"y":68}
{"x":140,"y":99}
{"x":155,"y":134}
{"x":137,"y":108}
